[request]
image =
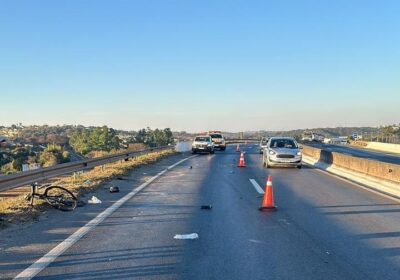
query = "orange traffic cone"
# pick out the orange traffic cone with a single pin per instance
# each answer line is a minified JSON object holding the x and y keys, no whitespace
{"x":241,"y":161}
{"x":268,"y":199}
{"x":238,"y":148}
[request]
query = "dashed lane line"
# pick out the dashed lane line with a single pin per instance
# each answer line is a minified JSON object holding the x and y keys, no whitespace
{"x":256,"y":186}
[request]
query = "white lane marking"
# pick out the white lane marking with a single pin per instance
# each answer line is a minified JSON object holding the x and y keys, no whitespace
{"x":256,"y":186}
{"x":54,"y":253}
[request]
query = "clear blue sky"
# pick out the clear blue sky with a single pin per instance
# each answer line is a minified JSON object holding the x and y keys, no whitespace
{"x":198,"y":65}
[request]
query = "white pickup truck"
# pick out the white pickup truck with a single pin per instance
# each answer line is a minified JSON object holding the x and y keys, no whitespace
{"x":218,"y":140}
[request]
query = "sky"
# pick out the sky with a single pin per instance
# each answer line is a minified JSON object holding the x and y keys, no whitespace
{"x":200,"y":65}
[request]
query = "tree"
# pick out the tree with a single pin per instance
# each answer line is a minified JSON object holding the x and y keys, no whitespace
{"x":79,"y":141}
{"x":157,"y":137}
{"x":99,"y":139}
{"x":53,"y":155}
{"x":387,"y":130}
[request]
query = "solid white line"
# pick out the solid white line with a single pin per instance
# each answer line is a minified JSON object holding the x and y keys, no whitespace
{"x":256,"y":186}
{"x":47,"y":259}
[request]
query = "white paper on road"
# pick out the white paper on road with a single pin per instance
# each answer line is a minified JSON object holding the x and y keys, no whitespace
{"x":186,"y":236}
{"x":94,"y":200}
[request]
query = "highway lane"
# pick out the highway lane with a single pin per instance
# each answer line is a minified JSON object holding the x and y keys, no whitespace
{"x":325,"y":228}
{"x":358,"y":152}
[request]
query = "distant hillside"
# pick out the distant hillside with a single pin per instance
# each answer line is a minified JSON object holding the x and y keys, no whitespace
{"x":327,"y":132}
{"x":333,"y":131}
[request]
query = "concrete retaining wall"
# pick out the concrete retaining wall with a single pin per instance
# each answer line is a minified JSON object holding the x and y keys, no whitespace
{"x":376,"y":169}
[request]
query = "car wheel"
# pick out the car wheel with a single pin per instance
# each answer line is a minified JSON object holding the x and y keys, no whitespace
{"x":193,"y":152}
{"x":212,"y":152}
{"x":223,"y":149}
{"x":299,"y":166}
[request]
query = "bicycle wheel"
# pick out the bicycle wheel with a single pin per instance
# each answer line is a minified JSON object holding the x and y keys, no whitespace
{"x":60,"y":198}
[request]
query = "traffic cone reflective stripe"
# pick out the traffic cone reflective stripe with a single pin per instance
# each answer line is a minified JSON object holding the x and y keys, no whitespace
{"x":268,"y":198}
{"x":241,"y":161}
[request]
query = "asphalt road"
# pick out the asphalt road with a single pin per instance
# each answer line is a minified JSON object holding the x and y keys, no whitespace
{"x":359,"y":152}
{"x":325,"y":228}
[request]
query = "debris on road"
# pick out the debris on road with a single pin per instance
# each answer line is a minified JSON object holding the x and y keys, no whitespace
{"x":206,"y":207}
{"x":94,"y":200}
{"x":88,"y":182}
{"x":186,"y":236}
{"x":190,"y":167}
{"x":114,"y":189}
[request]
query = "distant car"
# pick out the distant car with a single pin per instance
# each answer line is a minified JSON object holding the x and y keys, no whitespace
{"x":282,"y":151}
{"x":263,"y":144}
{"x":218,"y":140}
{"x":202,"y":144}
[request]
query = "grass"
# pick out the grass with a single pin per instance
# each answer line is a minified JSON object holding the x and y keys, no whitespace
{"x":18,"y":210}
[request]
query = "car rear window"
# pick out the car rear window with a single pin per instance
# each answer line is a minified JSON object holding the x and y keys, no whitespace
{"x":216,"y":135}
{"x":283,"y":143}
{"x":202,"y":139}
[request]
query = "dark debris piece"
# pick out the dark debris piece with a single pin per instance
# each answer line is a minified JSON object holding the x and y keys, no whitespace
{"x":114,"y":189}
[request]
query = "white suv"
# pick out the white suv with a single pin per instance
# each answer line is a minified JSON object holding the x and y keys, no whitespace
{"x":202,"y":143}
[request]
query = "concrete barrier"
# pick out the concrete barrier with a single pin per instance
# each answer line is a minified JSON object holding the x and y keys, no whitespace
{"x":378,"y":146}
{"x":385,"y":147}
{"x":381,"y":176}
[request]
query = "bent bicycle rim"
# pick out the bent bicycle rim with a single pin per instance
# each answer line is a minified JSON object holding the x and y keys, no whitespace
{"x":60,"y":198}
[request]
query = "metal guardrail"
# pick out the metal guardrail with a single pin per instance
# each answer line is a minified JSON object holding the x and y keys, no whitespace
{"x":25,"y":178}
